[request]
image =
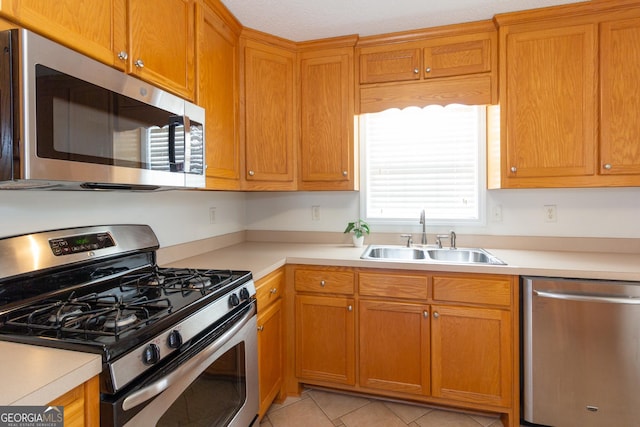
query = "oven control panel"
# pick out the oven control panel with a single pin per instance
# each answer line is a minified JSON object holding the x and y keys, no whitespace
{"x":81,"y":243}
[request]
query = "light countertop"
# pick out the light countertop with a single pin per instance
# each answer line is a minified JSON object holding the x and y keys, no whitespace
{"x":262,"y":258}
{"x":34,"y":375}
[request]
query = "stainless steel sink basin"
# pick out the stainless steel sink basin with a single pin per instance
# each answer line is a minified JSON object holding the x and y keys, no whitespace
{"x":393,"y":252}
{"x":463,"y":256}
{"x":434,"y":255}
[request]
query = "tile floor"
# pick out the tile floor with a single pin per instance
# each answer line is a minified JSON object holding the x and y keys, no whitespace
{"x":319,"y":408}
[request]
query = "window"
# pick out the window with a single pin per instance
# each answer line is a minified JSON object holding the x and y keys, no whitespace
{"x":428,"y":158}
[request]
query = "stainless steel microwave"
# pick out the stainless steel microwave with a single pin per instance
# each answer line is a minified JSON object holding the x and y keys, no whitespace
{"x":69,"y":121}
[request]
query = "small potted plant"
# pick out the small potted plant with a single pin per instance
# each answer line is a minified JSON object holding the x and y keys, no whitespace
{"x":358,"y":227}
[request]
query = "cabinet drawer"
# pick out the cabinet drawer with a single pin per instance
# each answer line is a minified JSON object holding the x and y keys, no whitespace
{"x":269,"y":288}
{"x":393,"y":285}
{"x":325,"y":281}
{"x":494,"y":290}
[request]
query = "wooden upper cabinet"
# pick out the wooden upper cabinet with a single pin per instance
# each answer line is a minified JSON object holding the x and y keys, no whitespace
{"x":217,"y":75}
{"x":97,"y":29}
{"x":162,"y":44}
{"x":457,"y":57}
{"x":436,"y":55}
{"x":549,"y":103}
{"x":620,"y":97}
{"x":442,"y":65}
{"x":327,"y":152}
{"x":569,"y":98}
{"x":390,"y":65}
{"x":269,"y":128}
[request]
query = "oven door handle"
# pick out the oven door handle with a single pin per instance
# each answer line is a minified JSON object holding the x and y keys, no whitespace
{"x":161,"y":385}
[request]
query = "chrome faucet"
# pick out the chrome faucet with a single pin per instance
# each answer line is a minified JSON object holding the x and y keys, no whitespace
{"x":452,"y":239}
{"x":423,"y":221}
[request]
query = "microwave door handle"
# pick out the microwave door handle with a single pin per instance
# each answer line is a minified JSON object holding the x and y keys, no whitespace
{"x":174,"y":121}
{"x":187,"y":143}
{"x":157,"y":387}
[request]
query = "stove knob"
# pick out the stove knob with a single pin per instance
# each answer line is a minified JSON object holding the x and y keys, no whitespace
{"x":244,"y":294}
{"x":151,"y":354}
{"x":234,"y":300}
{"x":174,"y":340}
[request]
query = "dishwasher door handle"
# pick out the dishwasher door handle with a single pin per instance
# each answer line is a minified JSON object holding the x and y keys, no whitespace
{"x":587,"y":297}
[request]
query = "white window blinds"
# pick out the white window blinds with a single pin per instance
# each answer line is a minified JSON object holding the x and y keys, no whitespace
{"x":424,"y":158}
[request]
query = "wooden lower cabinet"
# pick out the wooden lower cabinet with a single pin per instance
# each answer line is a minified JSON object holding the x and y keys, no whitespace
{"x":325,"y":339}
{"x":471,"y":357}
{"x":81,"y":404}
{"x":270,"y":338}
{"x":394,"y":346}
{"x":453,"y":343}
{"x":270,"y":354}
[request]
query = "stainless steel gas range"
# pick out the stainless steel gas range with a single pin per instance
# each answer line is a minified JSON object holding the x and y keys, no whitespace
{"x":178,"y":345}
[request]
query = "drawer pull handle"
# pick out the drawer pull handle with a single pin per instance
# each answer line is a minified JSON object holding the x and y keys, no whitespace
{"x":260,"y":328}
{"x":322,"y":283}
{"x":274,"y":291}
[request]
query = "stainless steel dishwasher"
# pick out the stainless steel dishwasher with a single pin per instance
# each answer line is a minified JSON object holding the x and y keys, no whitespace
{"x":581,"y":351}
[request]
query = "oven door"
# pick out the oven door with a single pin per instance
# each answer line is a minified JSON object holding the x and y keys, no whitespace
{"x":213,"y":383}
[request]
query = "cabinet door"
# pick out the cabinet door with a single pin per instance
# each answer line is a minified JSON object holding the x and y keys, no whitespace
{"x":97,"y":29}
{"x":549,"y":108}
{"x":394,"y":346}
{"x":471,"y":355}
{"x":162,"y":44}
{"x":327,"y":107}
{"x":81,"y":404}
{"x":269,"y":117}
{"x":270,"y":354}
{"x":620,"y":97}
{"x":325,"y":339}
{"x":457,"y":58}
{"x":379,"y":65}
{"x":218,"y":95}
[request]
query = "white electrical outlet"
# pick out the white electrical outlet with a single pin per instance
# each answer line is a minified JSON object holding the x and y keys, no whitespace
{"x":212,"y":215}
{"x":550,"y":213}
{"x":315,"y":213}
{"x":496,"y":213}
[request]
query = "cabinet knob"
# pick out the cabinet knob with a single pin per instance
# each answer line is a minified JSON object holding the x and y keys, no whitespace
{"x":607,"y":166}
{"x":123,"y":55}
{"x":514,"y":169}
{"x":274,"y":290}
{"x":425,"y":314}
{"x":428,"y":70}
{"x":260,"y":328}
{"x":345,"y":173}
{"x":322,"y":283}
{"x":139,"y":63}
{"x":416,"y":71}
{"x":251,"y":173}
{"x":435,"y":314}
{"x":349,"y":308}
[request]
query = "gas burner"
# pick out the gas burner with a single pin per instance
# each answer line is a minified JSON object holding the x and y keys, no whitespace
{"x":117,"y":321}
{"x":198,"y":282}
{"x":155,"y":280}
{"x":66,"y":315}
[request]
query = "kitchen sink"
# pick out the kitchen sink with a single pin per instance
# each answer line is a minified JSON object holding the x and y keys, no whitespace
{"x":463,"y":256}
{"x":428,"y":254}
{"x":393,"y":252}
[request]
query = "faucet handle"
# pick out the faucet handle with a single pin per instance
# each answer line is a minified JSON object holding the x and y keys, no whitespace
{"x":409,"y":238}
